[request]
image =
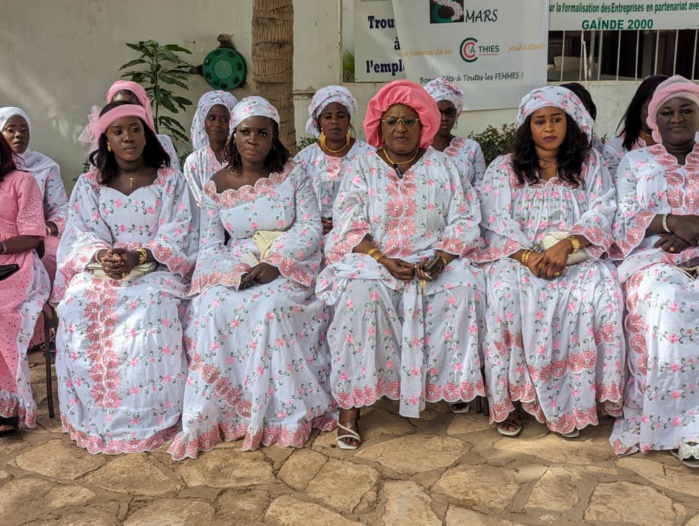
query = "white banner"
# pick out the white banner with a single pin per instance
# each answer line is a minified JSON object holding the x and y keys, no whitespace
{"x":376,"y":48}
{"x":495,"y":50}
{"x":631,"y":15}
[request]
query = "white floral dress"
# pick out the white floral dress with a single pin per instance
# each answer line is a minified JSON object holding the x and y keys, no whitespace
{"x":326,"y":171}
{"x":391,"y":339}
{"x":661,"y":404}
{"x":121,"y":365}
{"x":468,"y":158}
{"x":556,"y":346}
{"x":258,"y":356}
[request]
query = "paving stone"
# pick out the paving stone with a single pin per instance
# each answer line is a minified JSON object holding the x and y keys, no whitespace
{"x":555,"y":449}
{"x":342,"y":485}
{"x":59,"y":459}
{"x":300,"y":468}
{"x":694,"y":521}
{"x":415,"y":453}
{"x":68,"y":495}
{"x":14,"y":443}
{"x":555,"y":491}
{"x":673,"y":478}
{"x":22,"y":497}
{"x":289,"y":511}
{"x":460,"y":516}
{"x":226,"y":468}
{"x":95,"y":515}
{"x":379,"y":423}
{"x":133,"y":474}
{"x":246,"y":507}
{"x":172,"y":512}
{"x":5,"y":476}
{"x":481,"y":485}
{"x":407,"y":503}
{"x":468,"y":423}
{"x":631,"y":503}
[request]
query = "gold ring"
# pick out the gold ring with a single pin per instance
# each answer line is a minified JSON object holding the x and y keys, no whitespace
{"x":556,"y":274}
{"x":672,"y":249}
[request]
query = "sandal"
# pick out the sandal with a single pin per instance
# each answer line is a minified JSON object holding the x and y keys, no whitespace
{"x":460,"y":407}
{"x":514,"y":421}
{"x":11,"y":426}
{"x":349,"y":433}
{"x":688,"y":454}
{"x":575,"y":433}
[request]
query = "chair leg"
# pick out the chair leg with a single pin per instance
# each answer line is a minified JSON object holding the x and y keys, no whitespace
{"x":47,"y":358}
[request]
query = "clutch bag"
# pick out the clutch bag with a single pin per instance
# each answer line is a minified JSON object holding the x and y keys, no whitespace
{"x":7,"y":270}
{"x":136,"y":272}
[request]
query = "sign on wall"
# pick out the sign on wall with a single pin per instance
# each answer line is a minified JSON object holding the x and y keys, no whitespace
{"x":376,"y":46}
{"x":495,"y":50}
{"x":629,"y":15}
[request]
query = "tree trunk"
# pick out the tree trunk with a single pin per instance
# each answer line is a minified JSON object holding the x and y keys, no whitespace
{"x":273,"y":61}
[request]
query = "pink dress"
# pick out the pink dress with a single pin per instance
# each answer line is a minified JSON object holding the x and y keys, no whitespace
{"x":23,"y":294}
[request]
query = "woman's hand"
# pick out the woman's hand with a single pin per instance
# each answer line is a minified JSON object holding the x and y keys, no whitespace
{"x":398,"y":268}
{"x":552,"y":261}
{"x":261,"y":273}
{"x":327,"y":225}
{"x":117,"y":263}
{"x":672,"y":243}
{"x":685,"y":227}
{"x":436,"y":269}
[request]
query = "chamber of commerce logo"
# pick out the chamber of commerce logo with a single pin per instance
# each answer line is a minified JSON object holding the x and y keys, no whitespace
{"x":446,"y":11}
{"x":468,"y":49}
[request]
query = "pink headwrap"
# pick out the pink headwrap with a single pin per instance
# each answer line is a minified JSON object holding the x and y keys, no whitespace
{"x":410,"y":94}
{"x":123,"y":110}
{"x":675,"y":86}
{"x":136,"y":89}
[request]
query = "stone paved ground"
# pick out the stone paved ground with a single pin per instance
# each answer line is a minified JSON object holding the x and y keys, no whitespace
{"x":443,"y":469}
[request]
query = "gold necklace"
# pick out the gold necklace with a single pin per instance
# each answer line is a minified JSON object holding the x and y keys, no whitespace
{"x":131,"y":179}
{"x":394,"y":163}
{"x":324,"y":145}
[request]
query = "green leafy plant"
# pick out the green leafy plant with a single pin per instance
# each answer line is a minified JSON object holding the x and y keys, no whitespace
{"x":348,"y":66}
{"x":494,"y":141}
{"x":162,"y":69}
{"x":305,"y":141}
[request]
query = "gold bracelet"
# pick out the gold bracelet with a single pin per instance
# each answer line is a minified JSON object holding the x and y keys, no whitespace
{"x":48,"y":230}
{"x":142,"y":255}
{"x":525,"y":257}
{"x":376,"y":254}
{"x":574,"y":242}
{"x":444,"y":262}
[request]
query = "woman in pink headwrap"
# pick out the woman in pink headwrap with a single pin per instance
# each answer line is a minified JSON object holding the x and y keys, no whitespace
{"x":408,"y":303}
{"x":324,"y":161}
{"x":554,"y":341}
{"x":133,"y":92}
{"x":123,"y":268}
{"x":657,"y":233}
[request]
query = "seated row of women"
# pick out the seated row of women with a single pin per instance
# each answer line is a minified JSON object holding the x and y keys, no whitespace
{"x":414,"y":298}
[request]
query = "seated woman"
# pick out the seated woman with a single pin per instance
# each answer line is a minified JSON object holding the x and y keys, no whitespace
{"x":465,"y":153}
{"x":16,"y":128}
{"x":657,"y":232}
{"x":209,"y":133}
{"x":586,"y":98}
{"x":23,"y":293}
{"x":554,"y":340}
{"x":329,"y":116}
{"x":121,"y":366}
{"x":255,"y":332}
{"x":408,"y":303}
{"x":635,"y":132}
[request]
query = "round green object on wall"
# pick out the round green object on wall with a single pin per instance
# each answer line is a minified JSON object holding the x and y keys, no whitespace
{"x":224,"y":68}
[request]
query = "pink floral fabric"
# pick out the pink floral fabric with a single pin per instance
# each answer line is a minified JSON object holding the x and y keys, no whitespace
{"x":392,"y":339}
{"x":326,"y":171}
{"x":199,"y":168}
{"x":613,"y":151}
{"x":258,"y":356}
{"x":121,"y":365}
{"x":556,"y":346}
{"x":23,"y":294}
{"x":661,"y":403}
{"x":467,"y":155}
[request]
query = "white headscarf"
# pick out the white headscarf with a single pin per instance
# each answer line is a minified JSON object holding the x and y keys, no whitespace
{"x":441,"y":89}
{"x":253,"y":107}
{"x":29,"y":161}
{"x":207,"y":101}
{"x":560,"y":98}
{"x":320,"y":101}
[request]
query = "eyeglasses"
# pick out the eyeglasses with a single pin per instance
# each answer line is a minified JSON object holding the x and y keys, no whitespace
{"x":408,"y":122}
{"x":449,"y":112}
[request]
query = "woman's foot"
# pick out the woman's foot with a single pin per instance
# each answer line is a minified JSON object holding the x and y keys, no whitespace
{"x":512,"y":425}
{"x":348,"y":429}
{"x":9,"y":426}
{"x":460,"y":407}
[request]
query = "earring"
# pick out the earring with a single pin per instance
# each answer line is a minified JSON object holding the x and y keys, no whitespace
{"x":109,"y":147}
{"x":321,"y":139}
{"x":347,"y":138}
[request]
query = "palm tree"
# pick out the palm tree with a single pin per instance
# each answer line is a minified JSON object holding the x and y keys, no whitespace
{"x":273,"y":61}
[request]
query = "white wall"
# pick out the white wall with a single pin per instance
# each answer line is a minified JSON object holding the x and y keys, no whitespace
{"x":60,"y":56}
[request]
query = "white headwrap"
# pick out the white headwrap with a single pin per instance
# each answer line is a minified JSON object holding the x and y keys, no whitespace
{"x":207,"y":101}
{"x":441,"y":89}
{"x":253,"y":107}
{"x":30,"y":161}
{"x":560,"y":98}
{"x":320,"y":101}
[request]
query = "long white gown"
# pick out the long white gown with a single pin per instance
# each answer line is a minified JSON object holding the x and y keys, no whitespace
{"x":121,"y":364}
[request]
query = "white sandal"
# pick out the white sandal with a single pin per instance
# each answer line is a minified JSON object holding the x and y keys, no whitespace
{"x":688,"y":453}
{"x":350,"y":433}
